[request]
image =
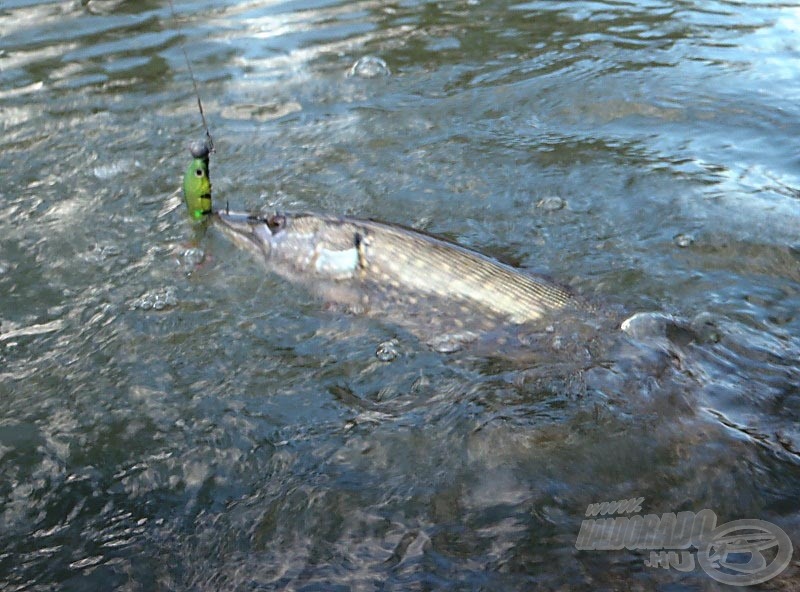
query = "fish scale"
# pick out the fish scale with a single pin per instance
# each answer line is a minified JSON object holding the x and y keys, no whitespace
{"x":450,"y":270}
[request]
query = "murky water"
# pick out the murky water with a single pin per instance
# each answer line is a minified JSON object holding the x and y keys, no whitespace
{"x":171,"y":417}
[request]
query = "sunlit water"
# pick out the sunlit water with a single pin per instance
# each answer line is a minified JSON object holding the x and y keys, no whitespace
{"x":172,"y":417}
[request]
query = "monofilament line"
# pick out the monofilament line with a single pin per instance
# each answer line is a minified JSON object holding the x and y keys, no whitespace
{"x":191,"y":75}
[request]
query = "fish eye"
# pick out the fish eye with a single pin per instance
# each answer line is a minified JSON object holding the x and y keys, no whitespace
{"x":198,"y":172}
{"x":276,"y":222}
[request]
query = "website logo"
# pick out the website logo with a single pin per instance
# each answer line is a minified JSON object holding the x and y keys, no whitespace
{"x":738,"y":553}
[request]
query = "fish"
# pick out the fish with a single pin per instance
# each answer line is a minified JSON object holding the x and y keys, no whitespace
{"x":372,"y":266}
{"x":450,"y":297}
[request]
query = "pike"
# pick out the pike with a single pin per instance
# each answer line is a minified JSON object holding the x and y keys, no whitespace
{"x":369,"y":260}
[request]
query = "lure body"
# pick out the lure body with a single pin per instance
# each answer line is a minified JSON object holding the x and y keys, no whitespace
{"x":197,"y":183}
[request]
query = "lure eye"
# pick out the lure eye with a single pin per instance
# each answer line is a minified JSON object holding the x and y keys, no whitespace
{"x":198,"y":172}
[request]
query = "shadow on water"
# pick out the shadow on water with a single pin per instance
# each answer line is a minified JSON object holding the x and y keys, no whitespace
{"x":173,"y":418}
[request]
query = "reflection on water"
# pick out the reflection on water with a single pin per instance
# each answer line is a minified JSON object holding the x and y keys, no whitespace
{"x":173,"y":418}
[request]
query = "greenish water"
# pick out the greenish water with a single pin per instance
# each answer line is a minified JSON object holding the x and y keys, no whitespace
{"x":168,"y":424}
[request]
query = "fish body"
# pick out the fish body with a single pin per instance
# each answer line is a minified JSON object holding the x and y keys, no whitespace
{"x":374,"y":266}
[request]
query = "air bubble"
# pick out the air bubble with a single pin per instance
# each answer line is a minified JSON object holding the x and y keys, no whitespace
{"x":453,"y":342}
{"x":369,"y":67}
{"x":551,"y":203}
{"x":193,"y":257}
{"x":387,"y":351}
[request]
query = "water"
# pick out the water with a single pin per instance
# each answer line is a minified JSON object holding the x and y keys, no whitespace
{"x":172,"y":418}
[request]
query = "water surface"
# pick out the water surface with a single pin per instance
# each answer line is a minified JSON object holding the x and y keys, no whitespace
{"x":171,"y":417}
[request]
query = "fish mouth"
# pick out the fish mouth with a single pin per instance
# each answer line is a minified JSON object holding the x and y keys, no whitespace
{"x":246,"y":230}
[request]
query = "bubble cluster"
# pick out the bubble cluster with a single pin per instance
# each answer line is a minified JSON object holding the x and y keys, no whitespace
{"x":156,"y":300}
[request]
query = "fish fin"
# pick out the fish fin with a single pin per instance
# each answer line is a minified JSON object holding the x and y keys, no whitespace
{"x":361,"y":242}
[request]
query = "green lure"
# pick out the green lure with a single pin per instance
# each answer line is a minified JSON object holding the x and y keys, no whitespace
{"x":196,"y":182}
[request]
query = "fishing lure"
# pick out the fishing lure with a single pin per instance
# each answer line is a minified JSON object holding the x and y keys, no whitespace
{"x":196,"y":181}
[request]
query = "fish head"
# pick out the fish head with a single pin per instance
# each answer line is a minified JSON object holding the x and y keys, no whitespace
{"x":251,"y":232}
{"x":298,"y":246}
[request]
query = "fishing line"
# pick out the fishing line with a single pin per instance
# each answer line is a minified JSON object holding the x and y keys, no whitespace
{"x":210,"y":143}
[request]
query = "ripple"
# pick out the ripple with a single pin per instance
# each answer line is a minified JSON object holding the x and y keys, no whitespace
{"x":115,"y":169}
{"x":32,"y":330}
